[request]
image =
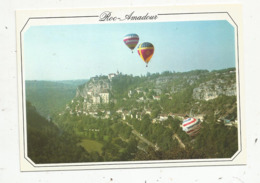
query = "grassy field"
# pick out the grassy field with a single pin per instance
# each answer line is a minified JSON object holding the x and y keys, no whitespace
{"x":91,"y":145}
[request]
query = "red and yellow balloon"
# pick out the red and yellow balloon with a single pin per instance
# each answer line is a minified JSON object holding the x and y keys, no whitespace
{"x":146,"y":51}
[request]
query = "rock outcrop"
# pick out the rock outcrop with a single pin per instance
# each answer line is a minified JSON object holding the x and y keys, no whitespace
{"x":214,"y":88}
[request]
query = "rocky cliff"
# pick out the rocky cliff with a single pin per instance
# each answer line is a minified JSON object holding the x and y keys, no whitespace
{"x":174,"y":92}
{"x":94,"y":87}
{"x":223,"y":84}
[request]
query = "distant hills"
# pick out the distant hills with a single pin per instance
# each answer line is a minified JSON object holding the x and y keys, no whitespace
{"x":50,"y":97}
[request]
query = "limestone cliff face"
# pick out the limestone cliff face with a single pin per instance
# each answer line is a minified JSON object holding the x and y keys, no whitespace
{"x":94,"y":87}
{"x":95,"y":91}
{"x":214,"y":88}
{"x":93,"y":96}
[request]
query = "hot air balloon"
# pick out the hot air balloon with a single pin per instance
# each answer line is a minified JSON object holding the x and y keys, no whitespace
{"x":191,"y":126}
{"x":131,"y":40}
{"x":145,"y":51}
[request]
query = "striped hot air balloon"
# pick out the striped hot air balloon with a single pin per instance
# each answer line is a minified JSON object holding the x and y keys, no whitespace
{"x":145,"y":51}
{"x":191,"y":126}
{"x":131,"y":40}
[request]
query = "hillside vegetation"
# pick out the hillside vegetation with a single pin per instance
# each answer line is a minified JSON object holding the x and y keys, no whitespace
{"x":50,"y":97}
{"x":130,"y":118}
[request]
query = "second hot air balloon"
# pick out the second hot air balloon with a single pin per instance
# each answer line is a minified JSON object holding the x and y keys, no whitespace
{"x":145,"y":51}
{"x":191,"y":126}
{"x":131,"y":40}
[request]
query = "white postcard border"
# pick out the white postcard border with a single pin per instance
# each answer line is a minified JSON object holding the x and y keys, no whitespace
{"x":231,"y":13}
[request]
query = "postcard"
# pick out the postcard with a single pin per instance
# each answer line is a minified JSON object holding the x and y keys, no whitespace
{"x":130,"y":87}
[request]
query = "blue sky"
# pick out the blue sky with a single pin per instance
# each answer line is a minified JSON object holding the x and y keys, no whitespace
{"x":66,"y":52}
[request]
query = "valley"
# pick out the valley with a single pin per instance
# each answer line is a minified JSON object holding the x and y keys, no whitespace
{"x":121,"y":117}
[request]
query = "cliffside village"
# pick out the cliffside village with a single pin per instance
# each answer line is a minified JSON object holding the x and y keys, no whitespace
{"x":97,"y":91}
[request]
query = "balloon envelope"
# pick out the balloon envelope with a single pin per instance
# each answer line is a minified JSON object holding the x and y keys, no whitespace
{"x":191,"y":126}
{"x":131,"y":40}
{"x":145,"y":51}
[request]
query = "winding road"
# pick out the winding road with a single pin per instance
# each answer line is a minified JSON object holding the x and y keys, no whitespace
{"x":136,"y":133}
{"x":175,"y":136}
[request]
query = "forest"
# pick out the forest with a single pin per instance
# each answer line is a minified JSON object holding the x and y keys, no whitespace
{"x":70,"y":136}
{"x":50,"y":97}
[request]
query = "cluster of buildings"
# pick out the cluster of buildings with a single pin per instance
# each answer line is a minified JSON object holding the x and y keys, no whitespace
{"x":143,"y":97}
{"x":81,"y":109}
{"x":139,"y":115}
{"x":102,"y":97}
{"x":97,"y":91}
{"x":228,"y":122}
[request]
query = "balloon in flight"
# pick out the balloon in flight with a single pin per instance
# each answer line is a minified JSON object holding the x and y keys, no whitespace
{"x":145,"y":51}
{"x":191,"y":126}
{"x":131,"y":40}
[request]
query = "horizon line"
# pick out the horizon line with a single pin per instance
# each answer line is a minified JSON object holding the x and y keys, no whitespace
{"x":100,"y":75}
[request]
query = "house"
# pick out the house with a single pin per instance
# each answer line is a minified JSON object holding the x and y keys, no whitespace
{"x":93,"y":114}
{"x":119,"y":111}
{"x":155,"y":120}
{"x":228,"y":122}
{"x":106,"y":116}
{"x":148,"y":112}
{"x":171,"y":114}
{"x":130,"y":93}
{"x":96,"y":100}
{"x":110,"y":76}
{"x":124,"y":114}
{"x":163,"y":117}
{"x":104,"y":97}
{"x":141,"y":98}
{"x":138,"y":90}
{"x":199,"y":116}
{"x":138,"y":115}
{"x":156,"y":97}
